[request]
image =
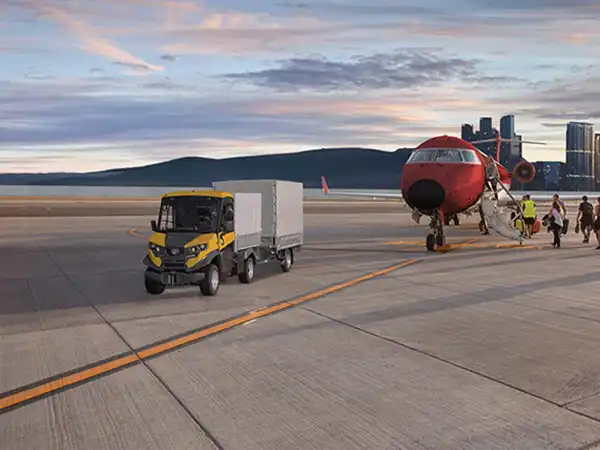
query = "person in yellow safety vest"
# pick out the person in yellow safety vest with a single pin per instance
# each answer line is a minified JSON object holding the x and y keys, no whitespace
{"x":529,"y":214}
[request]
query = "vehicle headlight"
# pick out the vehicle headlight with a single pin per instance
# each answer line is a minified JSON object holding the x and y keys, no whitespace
{"x":196,"y":249}
{"x":156,"y":248}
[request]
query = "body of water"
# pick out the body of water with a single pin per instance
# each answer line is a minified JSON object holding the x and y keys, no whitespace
{"x":154,"y":191}
{"x":126,"y":191}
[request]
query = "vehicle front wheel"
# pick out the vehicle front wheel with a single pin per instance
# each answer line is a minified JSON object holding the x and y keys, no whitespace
{"x":247,"y":274}
{"x":153,"y":287}
{"x":211,"y":282}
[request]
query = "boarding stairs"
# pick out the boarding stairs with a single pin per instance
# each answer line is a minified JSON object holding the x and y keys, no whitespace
{"x":498,"y":219}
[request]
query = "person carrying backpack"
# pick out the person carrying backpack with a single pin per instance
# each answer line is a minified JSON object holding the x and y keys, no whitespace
{"x":585,"y":218}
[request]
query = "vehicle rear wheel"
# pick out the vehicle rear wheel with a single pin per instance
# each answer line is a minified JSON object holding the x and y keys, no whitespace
{"x":247,"y":274}
{"x":153,"y":287}
{"x":288,"y":260}
{"x":210,"y":283}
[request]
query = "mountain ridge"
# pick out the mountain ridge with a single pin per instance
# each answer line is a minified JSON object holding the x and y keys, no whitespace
{"x":344,"y":167}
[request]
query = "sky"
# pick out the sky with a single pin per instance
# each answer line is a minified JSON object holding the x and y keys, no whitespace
{"x":95,"y":84}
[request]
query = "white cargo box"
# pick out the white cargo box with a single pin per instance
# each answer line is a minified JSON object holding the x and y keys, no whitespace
{"x":247,"y":218}
{"x":282,"y":209}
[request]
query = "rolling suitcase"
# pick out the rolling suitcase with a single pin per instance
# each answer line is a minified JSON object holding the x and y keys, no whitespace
{"x":537,"y":225}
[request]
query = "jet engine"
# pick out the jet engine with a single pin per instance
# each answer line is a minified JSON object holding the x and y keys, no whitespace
{"x":524,"y":172}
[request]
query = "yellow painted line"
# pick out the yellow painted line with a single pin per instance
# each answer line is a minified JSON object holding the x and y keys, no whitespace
{"x":44,"y":389}
{"x":55,"y":385}
{"x":450,"y":247}
{"x":133,"y":232}
{"x":404,"y":243}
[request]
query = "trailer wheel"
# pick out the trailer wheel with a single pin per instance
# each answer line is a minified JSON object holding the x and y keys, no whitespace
{"x":247,"y":274}
{"x":210,"y":284}
{"x":153,"y":287}
{"x":288,"y":260}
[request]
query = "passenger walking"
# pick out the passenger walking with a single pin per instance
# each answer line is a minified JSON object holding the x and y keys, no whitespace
{"x":597,"y":222}
{"x":556,"y":223}
{"x":529,"y":214}
{"x":563,"y":206}
{"x":585,"y":218}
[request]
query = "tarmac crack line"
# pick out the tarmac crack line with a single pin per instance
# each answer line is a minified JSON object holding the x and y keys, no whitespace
{"x":451,"y":363}
{"x":59,"y":383}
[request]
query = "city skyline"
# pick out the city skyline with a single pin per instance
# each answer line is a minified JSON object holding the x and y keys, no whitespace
{"x":96,"y":85}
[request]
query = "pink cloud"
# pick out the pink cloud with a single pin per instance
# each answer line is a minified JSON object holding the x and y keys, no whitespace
{"x":92,"y":43}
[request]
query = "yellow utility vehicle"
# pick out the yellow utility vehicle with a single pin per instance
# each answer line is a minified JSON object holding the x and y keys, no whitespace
{"x":204,"y":237}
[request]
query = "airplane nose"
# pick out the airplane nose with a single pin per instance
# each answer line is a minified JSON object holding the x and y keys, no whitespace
{"x":426,"y":195}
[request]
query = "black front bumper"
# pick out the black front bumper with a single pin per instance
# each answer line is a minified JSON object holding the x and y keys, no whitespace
{"x":175,"y":278}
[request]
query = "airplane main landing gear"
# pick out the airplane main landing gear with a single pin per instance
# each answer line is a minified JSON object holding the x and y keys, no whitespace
{"x":451,"y":217}
{"x":436,"y":237}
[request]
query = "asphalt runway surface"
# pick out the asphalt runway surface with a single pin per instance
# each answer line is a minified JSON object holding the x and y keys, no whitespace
{"x":369,"y":342}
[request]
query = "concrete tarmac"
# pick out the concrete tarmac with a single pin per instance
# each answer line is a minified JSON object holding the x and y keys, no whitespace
{"x":369,"y":342}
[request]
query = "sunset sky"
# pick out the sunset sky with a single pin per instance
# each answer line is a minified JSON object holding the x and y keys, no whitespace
{"x":94,"y":84}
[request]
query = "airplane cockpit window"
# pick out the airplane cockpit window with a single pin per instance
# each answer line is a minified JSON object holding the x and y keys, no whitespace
{"x":448,"y":155}
{"x":469,"y":156}
{"x":422,"y":156}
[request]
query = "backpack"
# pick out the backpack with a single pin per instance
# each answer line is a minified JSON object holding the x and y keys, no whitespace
{"x":587,"y":209}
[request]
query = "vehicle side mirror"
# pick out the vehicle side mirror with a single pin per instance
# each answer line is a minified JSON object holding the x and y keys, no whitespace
{"x":229,"y":216}
{"x":153,"y":225}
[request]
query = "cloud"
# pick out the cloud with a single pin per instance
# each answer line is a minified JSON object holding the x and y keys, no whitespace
{"x":92,"y":43}
{"x":169,"y":57}
{"x":401,"y":69}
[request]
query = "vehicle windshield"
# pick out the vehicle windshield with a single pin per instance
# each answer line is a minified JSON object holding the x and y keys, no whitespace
{"x":443,"y":155}
{"x":189,"y":213}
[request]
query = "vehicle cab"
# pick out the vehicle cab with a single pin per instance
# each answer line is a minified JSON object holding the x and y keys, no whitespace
{"x":192,"y":229}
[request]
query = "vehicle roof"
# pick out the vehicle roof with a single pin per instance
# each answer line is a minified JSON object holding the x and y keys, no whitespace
{"x":209,"y":193}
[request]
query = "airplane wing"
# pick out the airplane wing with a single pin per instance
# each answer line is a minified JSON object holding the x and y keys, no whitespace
{"x":371,"y":195}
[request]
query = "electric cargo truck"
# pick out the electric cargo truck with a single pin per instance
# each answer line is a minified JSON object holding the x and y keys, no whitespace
{"x":204,"y":237}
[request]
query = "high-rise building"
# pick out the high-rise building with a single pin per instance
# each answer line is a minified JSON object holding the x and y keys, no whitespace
{"x":597,"y":159}
{"x":581,"y":170}
{"x":485,"y":127}
{"x":509,"y":151}
{"x":466,"y":132}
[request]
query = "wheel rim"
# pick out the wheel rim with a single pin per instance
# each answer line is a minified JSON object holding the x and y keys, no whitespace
{"x":214,"y":280}
{"x":288,"y":258}
{"x":250,"y":268}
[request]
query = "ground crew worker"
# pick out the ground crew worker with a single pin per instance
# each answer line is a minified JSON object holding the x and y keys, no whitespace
{"x":529,"y":214}
{"x":585,"y":218}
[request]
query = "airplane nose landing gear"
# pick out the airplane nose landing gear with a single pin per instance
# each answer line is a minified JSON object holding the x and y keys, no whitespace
{"x":436,"y":237}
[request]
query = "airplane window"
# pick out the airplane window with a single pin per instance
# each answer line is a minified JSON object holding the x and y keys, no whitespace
{"x":448,"y":155}
{"x":469,"y":155}
{"x":421,"y":156}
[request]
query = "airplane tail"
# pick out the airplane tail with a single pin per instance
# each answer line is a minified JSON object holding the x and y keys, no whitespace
{"x":324,"y":186}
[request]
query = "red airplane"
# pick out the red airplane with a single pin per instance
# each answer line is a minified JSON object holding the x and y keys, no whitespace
{"x":446,"y":175}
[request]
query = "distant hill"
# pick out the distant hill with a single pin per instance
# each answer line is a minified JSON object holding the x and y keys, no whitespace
{"x":344,"y":168}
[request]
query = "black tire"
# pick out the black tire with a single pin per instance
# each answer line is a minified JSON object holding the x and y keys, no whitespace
{"x":430,"y":242}
{"x":210,"y":284}
{"x":247,"y":274}
{"x":153,"y":287}
{"x":288,"y":260}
